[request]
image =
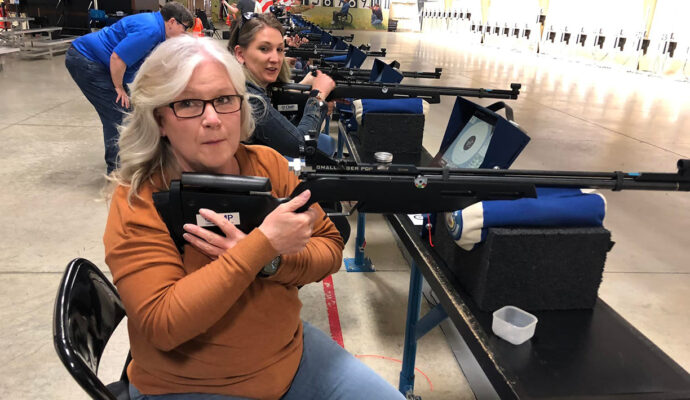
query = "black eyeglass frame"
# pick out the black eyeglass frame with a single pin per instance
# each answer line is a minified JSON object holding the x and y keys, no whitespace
{"x":186,"y":28}
{"x":203,"y":107}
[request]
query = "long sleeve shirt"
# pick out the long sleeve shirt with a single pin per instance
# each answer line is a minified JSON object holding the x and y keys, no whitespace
{"x":213,"y":326}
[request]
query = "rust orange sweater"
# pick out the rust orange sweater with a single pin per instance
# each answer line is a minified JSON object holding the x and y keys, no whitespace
{"x":197,"y":325}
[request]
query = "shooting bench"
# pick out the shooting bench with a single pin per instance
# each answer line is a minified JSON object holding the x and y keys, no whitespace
{"x":17,"y":36}
{"x":590,"y":353}
{"x":46,"y":47}
{"x":37,"y":42}
{"x":3,"y":52}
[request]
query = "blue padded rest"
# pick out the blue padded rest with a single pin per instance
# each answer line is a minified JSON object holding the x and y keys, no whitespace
{"x":338,"y":59}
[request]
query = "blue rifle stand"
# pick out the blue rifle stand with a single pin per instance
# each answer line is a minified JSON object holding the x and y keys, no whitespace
{"x":341,"y":143}
{"x":415,"y":328}
{"x":327,"y":127}
{"x":360,"y":263}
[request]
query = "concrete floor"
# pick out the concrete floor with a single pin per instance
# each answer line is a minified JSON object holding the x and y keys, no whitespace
{"x":579,"y":118}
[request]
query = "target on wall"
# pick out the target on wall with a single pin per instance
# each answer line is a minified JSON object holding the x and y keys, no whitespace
{"x":328,"y":3}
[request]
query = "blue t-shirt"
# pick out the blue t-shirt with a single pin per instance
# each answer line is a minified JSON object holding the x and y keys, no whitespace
{"x":132,"y":38}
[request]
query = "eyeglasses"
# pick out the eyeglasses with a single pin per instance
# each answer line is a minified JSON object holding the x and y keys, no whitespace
{"x":186,"y":28}
{"x":192,"y":108}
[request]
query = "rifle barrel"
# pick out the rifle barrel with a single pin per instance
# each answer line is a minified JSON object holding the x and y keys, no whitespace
{"x":374,"y":90}
{"x":343,"y":74}
{"x":567,"y":179}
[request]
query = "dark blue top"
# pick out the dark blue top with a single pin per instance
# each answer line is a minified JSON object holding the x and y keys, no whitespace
{"x":132,"y":38}
{"x":274,"y":130}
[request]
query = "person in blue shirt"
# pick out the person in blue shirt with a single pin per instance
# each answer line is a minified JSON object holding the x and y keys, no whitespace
{"x":344,"y":10}
{"x":102,"y":63}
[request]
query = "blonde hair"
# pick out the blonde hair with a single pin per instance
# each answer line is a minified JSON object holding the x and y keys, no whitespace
{"x":161,"y":78}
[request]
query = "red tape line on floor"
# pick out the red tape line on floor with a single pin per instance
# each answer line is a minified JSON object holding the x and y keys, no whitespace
{"x":332,"y":311}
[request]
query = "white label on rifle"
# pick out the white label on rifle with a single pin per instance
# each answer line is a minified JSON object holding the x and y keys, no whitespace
{"x":233,"y":217}
{"x":287,"y":107}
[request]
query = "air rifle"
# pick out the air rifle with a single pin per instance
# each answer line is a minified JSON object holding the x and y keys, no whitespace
{"x":317,"y":37}
{"x":338,"y":73}
{"x":377,"y":90}
{"x":316,"y":52}
{"x":381,"y":188}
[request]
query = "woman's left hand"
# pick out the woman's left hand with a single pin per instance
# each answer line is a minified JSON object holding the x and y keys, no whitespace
{"x":209,"y":243}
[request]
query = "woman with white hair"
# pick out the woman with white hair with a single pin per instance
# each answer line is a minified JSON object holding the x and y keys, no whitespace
{"x":213,"y":322}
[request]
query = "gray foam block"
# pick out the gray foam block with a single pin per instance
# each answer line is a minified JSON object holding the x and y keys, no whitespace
{"x":531,"y":268}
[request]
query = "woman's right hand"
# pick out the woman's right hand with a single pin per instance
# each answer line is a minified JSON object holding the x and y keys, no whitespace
{"x":288,"y":231}
{"x":323,"y":83}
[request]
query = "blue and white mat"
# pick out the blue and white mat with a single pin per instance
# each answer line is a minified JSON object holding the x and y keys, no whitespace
{"x":553,"y":207}
{"x":393,"y":106}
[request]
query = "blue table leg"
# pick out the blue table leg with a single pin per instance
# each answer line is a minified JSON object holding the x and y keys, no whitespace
{"x":415,"y":328}
{"x":341,"y":143}
{"x":414,"y":305}
{"x":360,"y":263}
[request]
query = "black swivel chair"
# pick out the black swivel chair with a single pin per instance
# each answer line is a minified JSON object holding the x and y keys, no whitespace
{"x":87,"y":311}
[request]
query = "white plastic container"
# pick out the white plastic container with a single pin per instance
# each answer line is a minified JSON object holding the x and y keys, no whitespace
{"x":513,"y":324}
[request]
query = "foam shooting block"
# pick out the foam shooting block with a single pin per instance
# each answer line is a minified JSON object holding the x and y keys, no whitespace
{"x":530,"y":268}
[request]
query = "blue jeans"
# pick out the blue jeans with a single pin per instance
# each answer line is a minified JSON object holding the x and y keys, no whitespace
{"x":93,"y":78}
{"x":326,"y":371}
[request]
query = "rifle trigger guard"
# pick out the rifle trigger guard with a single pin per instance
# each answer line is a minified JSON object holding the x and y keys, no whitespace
{"x":619,"y":181}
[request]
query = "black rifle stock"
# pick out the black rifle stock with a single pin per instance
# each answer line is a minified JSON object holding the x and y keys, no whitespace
{"x":380,"y":188}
